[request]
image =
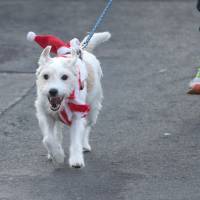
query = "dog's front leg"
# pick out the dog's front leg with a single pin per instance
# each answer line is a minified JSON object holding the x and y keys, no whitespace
{"x":51,"y":143}
{"x":58,"y":129}
{"x":76,"y":159}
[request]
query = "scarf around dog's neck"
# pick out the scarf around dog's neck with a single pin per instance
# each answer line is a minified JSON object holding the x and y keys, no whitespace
{"x":75,"y":104}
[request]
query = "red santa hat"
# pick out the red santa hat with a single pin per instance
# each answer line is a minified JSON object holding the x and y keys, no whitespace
{"x":58,"y":46}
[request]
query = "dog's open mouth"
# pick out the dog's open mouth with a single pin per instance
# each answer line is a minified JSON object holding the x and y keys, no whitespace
{"x":55,"y":102}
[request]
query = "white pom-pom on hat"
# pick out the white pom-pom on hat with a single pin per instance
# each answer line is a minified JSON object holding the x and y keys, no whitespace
{"x":30,"y":36}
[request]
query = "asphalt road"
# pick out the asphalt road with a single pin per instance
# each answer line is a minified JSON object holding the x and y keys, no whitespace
{"x":153,"y":54}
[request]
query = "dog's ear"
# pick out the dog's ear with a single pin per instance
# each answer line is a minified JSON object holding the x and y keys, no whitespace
{"x":45,"y":56}
{"x":75,"y":44}
{"x":73,"y":59}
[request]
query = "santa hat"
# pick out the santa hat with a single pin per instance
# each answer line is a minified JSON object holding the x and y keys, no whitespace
{"x":58,"y":46}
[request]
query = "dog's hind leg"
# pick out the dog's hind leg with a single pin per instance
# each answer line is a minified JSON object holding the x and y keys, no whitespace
{"x":86,"y":144}
{"x":91,"y":120}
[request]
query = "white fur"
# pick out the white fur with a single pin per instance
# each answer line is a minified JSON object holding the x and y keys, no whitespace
{"x":96,"y":40}
{"x":49,"y":120}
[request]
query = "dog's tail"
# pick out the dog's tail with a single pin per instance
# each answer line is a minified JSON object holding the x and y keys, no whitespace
{"x":96,"y":40}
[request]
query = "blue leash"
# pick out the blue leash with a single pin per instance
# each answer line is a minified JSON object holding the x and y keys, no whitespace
{"x":99,"y":20}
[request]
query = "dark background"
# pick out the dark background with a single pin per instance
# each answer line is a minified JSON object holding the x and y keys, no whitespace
{"x":153,"y":54}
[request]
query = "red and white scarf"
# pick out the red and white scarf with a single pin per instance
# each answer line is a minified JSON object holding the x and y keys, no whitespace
{"x":75,"y":104}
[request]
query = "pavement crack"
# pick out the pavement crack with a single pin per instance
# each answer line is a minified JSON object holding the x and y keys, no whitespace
{"x":17,"y":101}
{"x":15,"y":72}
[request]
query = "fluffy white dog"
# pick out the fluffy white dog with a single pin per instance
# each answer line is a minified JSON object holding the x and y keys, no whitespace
{"x":56,"y":79}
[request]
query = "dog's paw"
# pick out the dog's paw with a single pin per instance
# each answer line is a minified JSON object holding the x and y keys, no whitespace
{"x":59,"y":156}
{"x":56,"y":151}
{"x":86,"y":148}
{"x":76,"y":161}
{"x":49,"y":157}
{"x":86,"y":145}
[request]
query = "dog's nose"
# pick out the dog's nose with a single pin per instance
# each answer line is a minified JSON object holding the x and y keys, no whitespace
{"x":53,"y":92}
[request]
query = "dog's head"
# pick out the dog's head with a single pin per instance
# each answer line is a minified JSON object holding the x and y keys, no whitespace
{"x":56,"y":77}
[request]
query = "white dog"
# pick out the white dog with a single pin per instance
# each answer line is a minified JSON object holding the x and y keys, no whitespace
{"x":56,"y":79}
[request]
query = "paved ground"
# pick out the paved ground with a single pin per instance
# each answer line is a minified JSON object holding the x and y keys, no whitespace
{"x":153,"y":54}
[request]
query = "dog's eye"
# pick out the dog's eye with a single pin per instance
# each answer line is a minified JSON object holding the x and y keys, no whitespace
{"x":64,"y":77}
{"x":46,"y":76}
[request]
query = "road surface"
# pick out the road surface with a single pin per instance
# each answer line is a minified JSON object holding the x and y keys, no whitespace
{"x":146,"y":144}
